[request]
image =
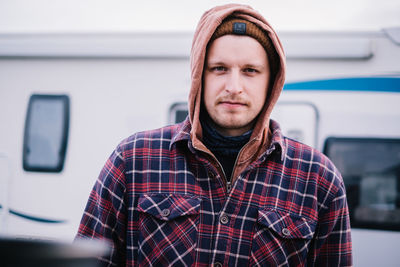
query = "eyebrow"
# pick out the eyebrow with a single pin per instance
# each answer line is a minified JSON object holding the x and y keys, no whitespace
{"x":248,"y":65}
{"x":254,"y":66}
{"x":215,"y":62}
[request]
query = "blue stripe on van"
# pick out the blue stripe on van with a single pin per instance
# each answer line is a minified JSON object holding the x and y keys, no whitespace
{"x":376,"y":84}
{"x":33,"y":218}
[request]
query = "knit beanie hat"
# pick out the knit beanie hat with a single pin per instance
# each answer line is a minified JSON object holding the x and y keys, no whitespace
{"x":237,"y":26}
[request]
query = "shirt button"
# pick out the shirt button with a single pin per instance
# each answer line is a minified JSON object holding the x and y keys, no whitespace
{"x":285,"y":232}
{"x":224,"y":219}
{"x":217,"y":264}
{"x":165,"y":212}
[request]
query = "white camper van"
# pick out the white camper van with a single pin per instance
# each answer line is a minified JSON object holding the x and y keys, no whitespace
{"x":66,"y":100}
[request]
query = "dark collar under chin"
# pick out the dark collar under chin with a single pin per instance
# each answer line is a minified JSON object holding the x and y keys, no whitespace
{"x":219,"y":143}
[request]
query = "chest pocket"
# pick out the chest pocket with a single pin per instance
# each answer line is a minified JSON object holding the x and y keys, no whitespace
{"x":167,"y":228}
{"x":281,"y":238}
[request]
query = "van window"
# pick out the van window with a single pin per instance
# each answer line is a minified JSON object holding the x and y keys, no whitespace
{"x":178,"y":112}
{"x":371,"y":173}
{"x":46,"y":133}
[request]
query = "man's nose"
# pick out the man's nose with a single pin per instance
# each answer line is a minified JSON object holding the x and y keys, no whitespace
{"x":234,"y":82}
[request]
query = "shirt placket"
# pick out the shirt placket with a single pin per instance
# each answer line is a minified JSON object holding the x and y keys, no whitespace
{"x":222,"y":241}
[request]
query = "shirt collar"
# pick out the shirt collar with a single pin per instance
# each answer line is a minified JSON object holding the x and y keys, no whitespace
{"x":182,"y":133}
{"x":277,"y":139}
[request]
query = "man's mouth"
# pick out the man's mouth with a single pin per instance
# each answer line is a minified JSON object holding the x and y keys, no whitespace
{"x":232,"y":103}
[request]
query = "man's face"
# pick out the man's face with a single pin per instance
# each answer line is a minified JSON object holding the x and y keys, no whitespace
{"x":235,"y":82}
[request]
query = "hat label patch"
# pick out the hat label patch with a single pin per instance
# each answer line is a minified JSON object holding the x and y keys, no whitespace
{"x":239,"y":28}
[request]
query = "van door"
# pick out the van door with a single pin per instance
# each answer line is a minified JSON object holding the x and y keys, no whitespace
{"x":5,"y":173}
{"x":298,"y":121}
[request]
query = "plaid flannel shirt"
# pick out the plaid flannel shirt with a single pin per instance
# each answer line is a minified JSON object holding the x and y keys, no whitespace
{"x":162,"y":203}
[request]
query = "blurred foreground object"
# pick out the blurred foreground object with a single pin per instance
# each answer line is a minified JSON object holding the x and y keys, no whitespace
{"x":16,"y":252}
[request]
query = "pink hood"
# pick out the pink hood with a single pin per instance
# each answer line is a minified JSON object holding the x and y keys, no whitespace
{"x":205,"y":29}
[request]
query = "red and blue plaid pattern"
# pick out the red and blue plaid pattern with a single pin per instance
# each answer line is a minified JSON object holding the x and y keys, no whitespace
{"x":161,"y":203}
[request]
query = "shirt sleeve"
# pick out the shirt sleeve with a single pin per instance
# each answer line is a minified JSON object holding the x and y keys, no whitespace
{"x":105,"y":213}
{"x":333,"y":245}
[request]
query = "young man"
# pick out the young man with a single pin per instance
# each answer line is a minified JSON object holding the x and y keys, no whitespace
{"x":224,"y":187}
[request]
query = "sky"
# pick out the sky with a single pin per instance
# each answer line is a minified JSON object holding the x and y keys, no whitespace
{"x":77,"y":16}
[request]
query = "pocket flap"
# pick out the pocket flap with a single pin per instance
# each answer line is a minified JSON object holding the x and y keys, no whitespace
{"x":168,"y":206}
{"x":287,"y":225}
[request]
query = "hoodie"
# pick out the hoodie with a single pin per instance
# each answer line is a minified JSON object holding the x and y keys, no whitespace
{"x":260,"y":137}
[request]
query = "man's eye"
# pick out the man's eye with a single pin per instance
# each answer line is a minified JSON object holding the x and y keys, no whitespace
{"x":250,"y":70}
{"x":219,"y":68}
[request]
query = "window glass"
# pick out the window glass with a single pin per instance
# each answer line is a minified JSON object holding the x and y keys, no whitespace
{"x":371,"y":173}
{"x":46,"y":133}
{"x":178,"y":112}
